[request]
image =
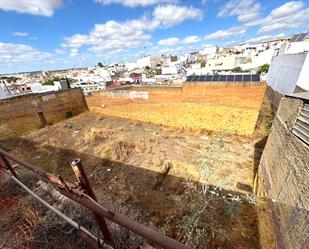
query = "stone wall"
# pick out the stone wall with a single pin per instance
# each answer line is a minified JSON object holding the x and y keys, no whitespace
{"x":19,"y":115}
{"x":283,"y":179}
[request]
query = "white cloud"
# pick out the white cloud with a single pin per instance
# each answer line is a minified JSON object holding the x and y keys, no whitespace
{"x":221,"y":34}
{"x":265,"y":37}
{"x":15,"y":53}
{"x":169,"y":42}
{"x":22,"y":34}
{"x":287,"y":9}
{"x":112,"y":35}
{"x":269,"y":28}
{"x":109,"y":36}
{"x":74,"y":52}
{"x":171,"y":15}
{"x":191,"y":39}
{"x":287,"y":16}
{"x":245,"y":10}
{"x":33,"y":7}
{"x":174,"y":41}
{"x":135,"y":3}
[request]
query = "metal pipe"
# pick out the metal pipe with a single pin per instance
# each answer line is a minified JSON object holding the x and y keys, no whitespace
{"x":9,"y":166}
{"x":122,"y":220}
{"x":85,"y":200}
{"x":53,"y":179}
{"x":82,"y":178}
{"x":82,"y":230}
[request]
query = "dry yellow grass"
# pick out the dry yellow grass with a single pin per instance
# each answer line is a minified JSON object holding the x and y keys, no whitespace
{"x":192,"y":116}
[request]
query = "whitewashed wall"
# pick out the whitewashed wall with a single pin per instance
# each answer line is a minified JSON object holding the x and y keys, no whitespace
{"x":285,"y":71}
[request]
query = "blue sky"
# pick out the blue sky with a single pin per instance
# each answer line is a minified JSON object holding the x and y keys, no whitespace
{"x":55,"y":34}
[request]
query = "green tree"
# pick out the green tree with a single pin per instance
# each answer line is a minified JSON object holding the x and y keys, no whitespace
{"x":263,"y":69}
{"x":100,"y":64}
{"x":237,"y":70}
{"x":48,"y":82}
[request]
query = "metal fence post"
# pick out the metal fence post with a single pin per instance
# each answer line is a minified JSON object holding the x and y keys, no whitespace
{"x":8,"y":165}
{"x":42,"y":118}
{"x":84,"y":182}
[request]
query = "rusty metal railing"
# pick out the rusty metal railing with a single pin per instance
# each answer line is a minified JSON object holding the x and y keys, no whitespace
{"x":83,"y":194}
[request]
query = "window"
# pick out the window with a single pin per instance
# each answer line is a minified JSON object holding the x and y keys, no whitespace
{"x":301,"y":127}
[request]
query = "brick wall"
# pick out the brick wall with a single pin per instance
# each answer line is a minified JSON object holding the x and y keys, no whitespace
{"x":284,"y":180}
{"x":19,"y":115}
{"x":220,"y":93}
{"x":224,"y":92}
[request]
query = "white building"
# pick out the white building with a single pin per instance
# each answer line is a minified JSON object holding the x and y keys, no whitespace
{"x":224,"y":63}
{"x":210,"y":52}
{"x":169,"y":69}
{"x":3,"y":92}
{"x":192,"y":56}
{"x":88,"y":87}
{"x":147,"y":61}
{"x":39,"y":88}
{"x":289,"y":69}
{"x":131,"y":66}
{"x":144,"y":61}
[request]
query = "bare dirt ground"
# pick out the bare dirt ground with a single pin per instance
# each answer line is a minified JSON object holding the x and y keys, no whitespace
{"x":169,"y":173}
{"x":125,"y":161}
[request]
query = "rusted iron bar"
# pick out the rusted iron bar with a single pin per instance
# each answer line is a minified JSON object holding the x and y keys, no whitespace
{"x":8,"y":165}
{"x":42,"y":118}
{"x":90,"y":241}
{"x":82,"y":178}
{"x":86,"y":201}
{"x":53,"y":179}
{"x":124,"y":221}
{"x":88,"y":237}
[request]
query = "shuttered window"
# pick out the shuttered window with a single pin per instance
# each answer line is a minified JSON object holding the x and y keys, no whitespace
{"x":301,"y":128}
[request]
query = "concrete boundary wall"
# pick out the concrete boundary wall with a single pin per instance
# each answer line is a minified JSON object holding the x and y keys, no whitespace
{"x":19,"y":115}
{"x":274,"y":98}
{"x":195,"y":92}
{"x":283,"y":179}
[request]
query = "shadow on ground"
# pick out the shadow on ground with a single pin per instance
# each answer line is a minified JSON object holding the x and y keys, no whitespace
{"x":165,"y":202}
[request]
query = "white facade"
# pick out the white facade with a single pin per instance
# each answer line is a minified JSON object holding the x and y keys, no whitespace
{"x":171,"y":69}
{"x":224,"y":63}
{"x":259,"y":59}
{"x":210,"y":52}
{"x":3,"y":92}
{"x":88,"y":87}
{"x":289,"y":70}
{"x":39,"y":88}
{"x":144,"y":62}
{"x":131,"y":66}
{"x":199,"y":71}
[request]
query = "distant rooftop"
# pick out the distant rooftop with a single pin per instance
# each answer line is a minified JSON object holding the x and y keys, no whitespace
{"x":299,"y":37}
{"x":225,"y":78}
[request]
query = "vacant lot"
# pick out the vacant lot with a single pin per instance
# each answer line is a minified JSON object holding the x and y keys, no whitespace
{"x":125,"y":161}
{"x":181,"y":166}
